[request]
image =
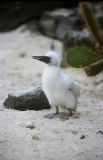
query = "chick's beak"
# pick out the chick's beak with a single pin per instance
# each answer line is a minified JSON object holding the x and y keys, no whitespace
{"x":44,"y":59}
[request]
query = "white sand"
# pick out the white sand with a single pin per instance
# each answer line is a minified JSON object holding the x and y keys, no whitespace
{"x":50,"y":139}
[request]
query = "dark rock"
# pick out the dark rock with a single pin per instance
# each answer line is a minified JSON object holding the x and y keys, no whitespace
{"x":32,"y":99}
{"x":100,"y":132}
{"x":15,"y":13}
{"x":82,"y":137}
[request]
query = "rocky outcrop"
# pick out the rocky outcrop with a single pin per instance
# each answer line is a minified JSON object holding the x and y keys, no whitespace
{"x":31,"y":99}
{"x":67,"y":25}
{"x":12,"y":14}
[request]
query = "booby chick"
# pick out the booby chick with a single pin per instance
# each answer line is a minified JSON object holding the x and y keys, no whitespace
{"x":61,"y":90}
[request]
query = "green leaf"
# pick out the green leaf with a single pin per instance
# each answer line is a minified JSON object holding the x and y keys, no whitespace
{"x":80,"y":57}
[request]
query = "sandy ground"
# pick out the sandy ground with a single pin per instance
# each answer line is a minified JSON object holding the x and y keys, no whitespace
{"x":49,"y":139}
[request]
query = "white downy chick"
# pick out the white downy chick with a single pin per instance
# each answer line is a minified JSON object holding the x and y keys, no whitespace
{"x":61,"y":90}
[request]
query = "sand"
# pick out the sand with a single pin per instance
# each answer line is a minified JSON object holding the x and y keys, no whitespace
{"x":74,"y":139}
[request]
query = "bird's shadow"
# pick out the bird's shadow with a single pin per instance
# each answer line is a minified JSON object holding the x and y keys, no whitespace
{"x":62,"y":115}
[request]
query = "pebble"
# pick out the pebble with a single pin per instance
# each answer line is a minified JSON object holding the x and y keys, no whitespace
{"x":35,"y":137}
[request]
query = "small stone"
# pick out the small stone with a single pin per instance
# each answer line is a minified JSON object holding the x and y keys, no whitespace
{"x":82,"y":137}
{"x":73,"y":131}
{"x":30,"y":125}
{"x":100,"y":132}
{"x":35,"y":137}
{"x":22,"y":55}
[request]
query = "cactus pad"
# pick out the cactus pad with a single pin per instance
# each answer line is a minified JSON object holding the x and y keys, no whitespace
{"x":80,"y":57}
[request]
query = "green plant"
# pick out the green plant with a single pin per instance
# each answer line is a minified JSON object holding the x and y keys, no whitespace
{"x":81,"y":57}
